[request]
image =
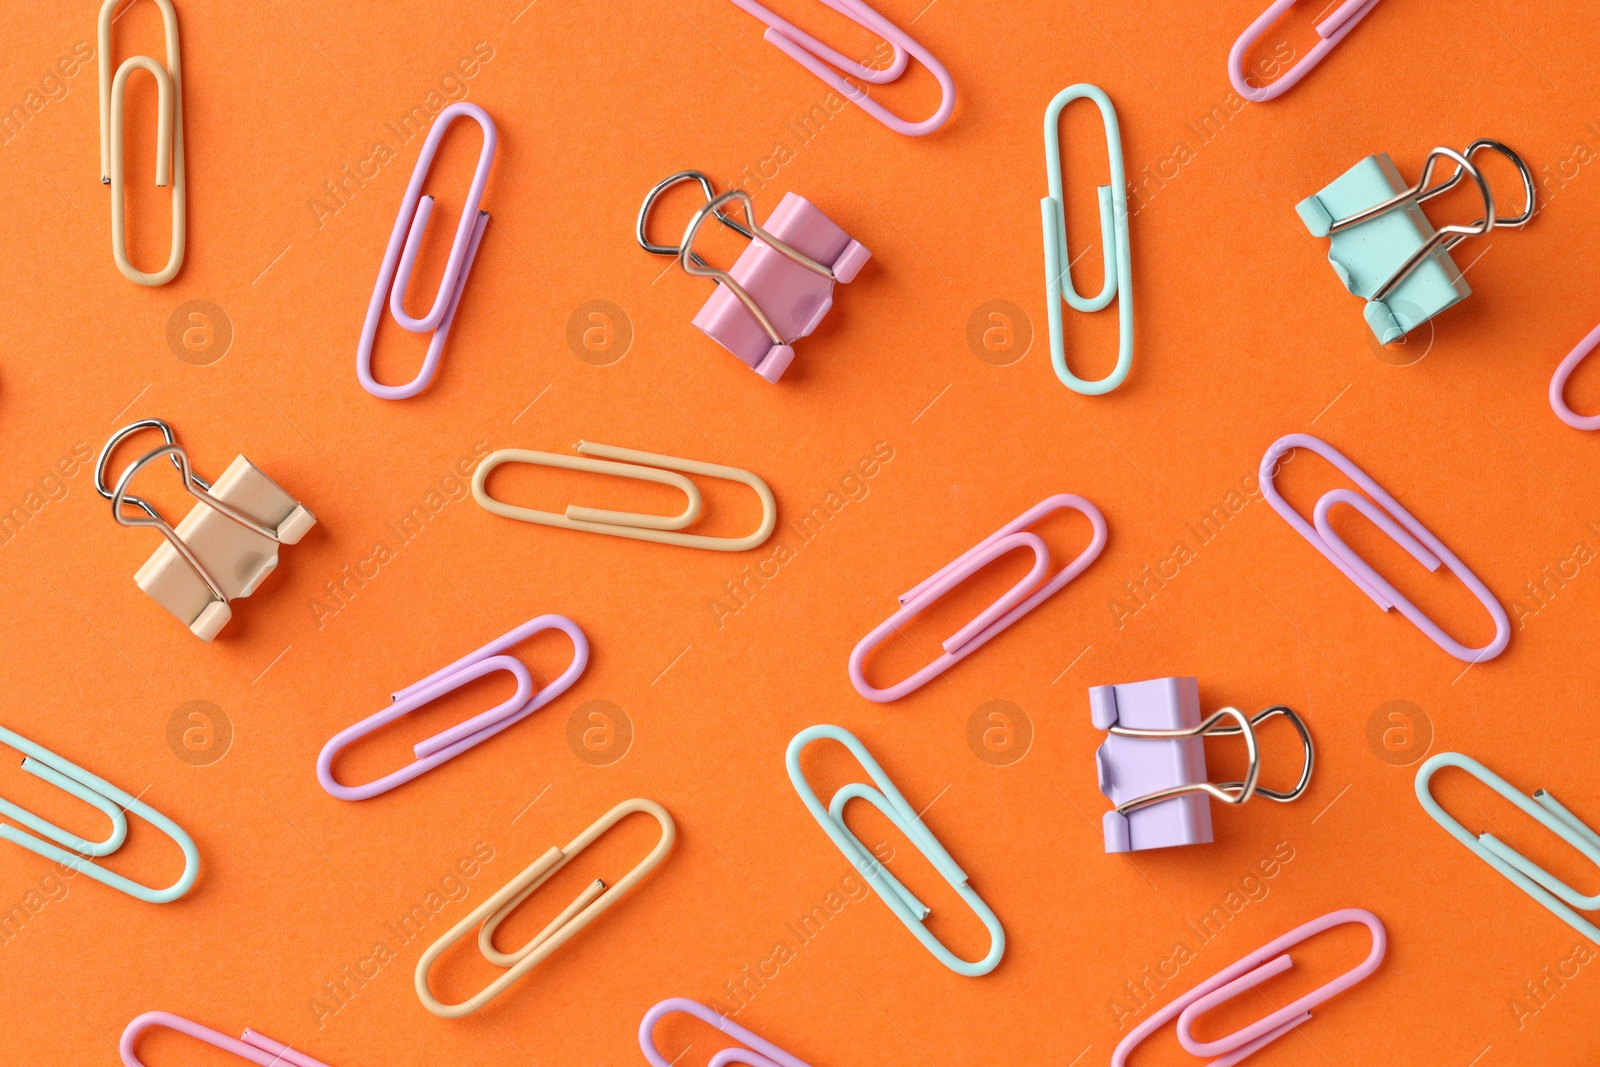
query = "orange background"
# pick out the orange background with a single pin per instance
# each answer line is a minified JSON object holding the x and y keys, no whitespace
{"x":1244,"y":334}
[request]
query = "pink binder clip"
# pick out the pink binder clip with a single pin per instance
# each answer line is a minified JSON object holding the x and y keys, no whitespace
{"x":1022,"y":598}
{"x":1387,"y":514}
{"x":1558,"y":385}
{"x":780,"y":287}
{"x":394,"y":276}
{"x":254,"y":1047}
{"x":1264,"y":963}
{"x":1153,"y":764}
{"x":826,"y":63}
{"x":476,"y":730}
{"x":1331,"y":29}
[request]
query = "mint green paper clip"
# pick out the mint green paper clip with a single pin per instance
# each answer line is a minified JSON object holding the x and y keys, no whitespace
{"x":887,"y":799}
{"x":1533,"y":880}
{"x":110,"y":802}
{"x":1113,"y":243}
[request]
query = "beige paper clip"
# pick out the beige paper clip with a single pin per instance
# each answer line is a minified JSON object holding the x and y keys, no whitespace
{"x":224,"y":547}
{"x":595,"y":899}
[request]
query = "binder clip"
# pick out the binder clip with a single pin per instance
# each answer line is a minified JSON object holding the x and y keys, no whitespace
{"x":1153,"y":764}
{"x":224,"y":547}
{"x":780,"y":287}
{"x":1384,"y":248}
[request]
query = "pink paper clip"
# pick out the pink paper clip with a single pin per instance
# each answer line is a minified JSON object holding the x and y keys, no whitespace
{"x":394,"y":276}
{"x":476,"y":730}
{"x":758,"y":1052}
{"x":256,"y":1048}
{"x":1020,"y":599}
{"x":780,"y":287}
{"x":1558,"y":385}
{"x":1272,"y":959}
{"x":1331,"y":29}
{"x":826,"y":63}
{"x":1386,"y":513}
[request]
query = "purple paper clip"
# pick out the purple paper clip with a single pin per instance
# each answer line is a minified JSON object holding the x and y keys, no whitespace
{"x":1269,"y":960}
{"x":1386,"y":513}
{"x":394,"y":276}
{"x":757,"y":1051}
{"x":456,"y":740}
{"x":255,"y":1047}
{"x":1020,"y":599}
{"x":780,"y":287}
{"x":1153,"y":764}
{"x":1558,"y":384}
{"x":1331,"y":30}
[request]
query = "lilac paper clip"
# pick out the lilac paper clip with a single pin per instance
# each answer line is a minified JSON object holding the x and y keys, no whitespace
{"x":1153,"y":763}
{"x":1558,"y":384}
{"x":1331,"y":30}
{"x":254,"y":1048}
{"x":757,"y":1051}
{"x":780,"y":287}
{"x":401,"y":256}
{"x":456,"y":740}
{"x":1385,"y":512}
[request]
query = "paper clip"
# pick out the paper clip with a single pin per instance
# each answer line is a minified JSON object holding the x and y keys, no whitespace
{"x":1266,"y":962}
{"x":169,"y":140}
{"x":1385,"y":512}
{"x":1113,"y":244}
{"x":1152,"y":765}
{"x":1533,"y":880}
{"x":1022,"y":598}
{"x":223,"y":549}
{"x":450,"y":743}
{"x":887,"y":799}
{"x":256,"y":1048}
{"x":780,"y":287}
{"x":1558,"y":385}
{"x":587,"y":907}
{"x":394,"y":276}
{"x":640,"y":466}
{"x":1331,"y":29}
{"x":109,"y":801}
{"x":758,"y":1052}
{"x":1384,"y":248}
{"x":826,"y":63}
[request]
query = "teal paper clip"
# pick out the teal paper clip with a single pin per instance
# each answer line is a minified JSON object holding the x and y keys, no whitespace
{"x":887,"y":799}
{"x":1384,"y":248}
{"x":1533,"y":880}
{"x":1113,"y":243}
{"x":110,"y":802}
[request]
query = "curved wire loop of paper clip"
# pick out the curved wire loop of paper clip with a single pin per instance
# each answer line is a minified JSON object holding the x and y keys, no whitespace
{"x":1331,"y":30}
{"x":1558,"y":384}
{"x":253,"y":1047}
{"x":757,"y":1051}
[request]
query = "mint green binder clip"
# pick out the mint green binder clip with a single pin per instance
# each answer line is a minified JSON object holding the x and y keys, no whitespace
{"x":1113,"y":244}
{"x":110,"y":802}
{"x":1384,"y":248}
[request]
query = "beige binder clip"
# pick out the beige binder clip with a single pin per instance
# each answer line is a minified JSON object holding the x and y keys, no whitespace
{"x":224,"y":547}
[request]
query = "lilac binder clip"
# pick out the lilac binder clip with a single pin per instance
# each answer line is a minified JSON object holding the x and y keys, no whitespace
{"x":1153,"y":764}
{"x":779,"y":288}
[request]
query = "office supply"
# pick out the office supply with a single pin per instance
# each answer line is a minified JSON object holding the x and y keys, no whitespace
{"x":169,"y":140}
{"x":1022,"y":598}
{"x":104,"y":798}
{"x":394,"y":275}
{"x":757,"y":1052}
{"x":587,"y":907}
{"x":641,"y":466}
{"x":1331,"y":30}
{"x":1384,"y":248}
{"x":223,"y":549}
{"x":450,"y":743}
{"x":1533,"y":880}
{"x":780,"y":287}
{"x":1558,"y":384}
{"x":1152,"y":764}
{"x":256,"y":1048}
{"x":826,"y":63}
{"x":888,"y":800}
{"x":1385,"y":512}
{"x":1113,"y":244}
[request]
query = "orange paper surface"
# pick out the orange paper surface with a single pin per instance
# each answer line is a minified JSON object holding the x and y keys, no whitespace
{"x":921,"y":416}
